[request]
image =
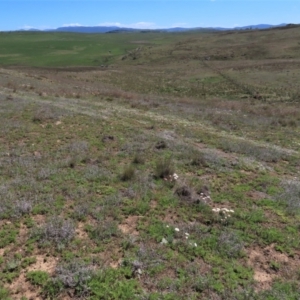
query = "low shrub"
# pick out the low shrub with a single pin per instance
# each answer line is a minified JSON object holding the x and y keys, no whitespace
{"x":230,"y":244}
{"x":45,"y":113}
{"x":4,"y":293}
{"x":39,"y":278}
{"x":263,"y":153}
{"x":114,"y":284}
{"x":128,"y":173}
{"x":55,"y":230}
{"x":161,"y":145}
{"x":138,"y":158}
{"x":164,"y":168}
{"x":103,"y":231}
{"x":75,"y":275}
{"x":198,"y":159}
{"x":22,"y":207}
{"x":290,"y":197}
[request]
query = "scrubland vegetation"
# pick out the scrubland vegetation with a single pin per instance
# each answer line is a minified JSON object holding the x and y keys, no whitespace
{"x":150,"y":165}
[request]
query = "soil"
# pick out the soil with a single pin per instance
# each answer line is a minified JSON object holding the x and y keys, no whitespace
{"x":261,"y":260}
{"x":129,"y":226}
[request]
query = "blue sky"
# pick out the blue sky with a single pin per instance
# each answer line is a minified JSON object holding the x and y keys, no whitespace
{"x":42,"y":14}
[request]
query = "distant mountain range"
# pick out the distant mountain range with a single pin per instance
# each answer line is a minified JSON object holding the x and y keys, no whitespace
{"x":115,"y":29}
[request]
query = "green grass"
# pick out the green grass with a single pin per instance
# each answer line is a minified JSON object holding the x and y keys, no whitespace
{"x":68,"y":49}
{"x":89,"y":204}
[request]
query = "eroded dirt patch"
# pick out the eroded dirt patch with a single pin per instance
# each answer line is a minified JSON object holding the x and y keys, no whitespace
{"x":46,"y":264}
{"x":21,"y":287}
{"x":129,"y":225}
{"x":269,"y":264}
{"x":80,"y":231}
{"x":39,"y":219}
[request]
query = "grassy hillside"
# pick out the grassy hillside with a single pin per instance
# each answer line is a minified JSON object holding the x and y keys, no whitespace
{"x":171,"y":172}
{"x":68,"y":49}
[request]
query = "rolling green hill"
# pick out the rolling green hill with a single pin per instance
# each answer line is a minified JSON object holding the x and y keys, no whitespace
{"x":150,"y":165}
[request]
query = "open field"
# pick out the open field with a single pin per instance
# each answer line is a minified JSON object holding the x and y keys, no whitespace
{"x":69,"y":49}
{"x":150,"y":165}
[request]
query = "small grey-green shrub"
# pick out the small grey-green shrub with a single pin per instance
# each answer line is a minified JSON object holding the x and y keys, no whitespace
{"x":291,"y":196}
{"x":56,"y":230}
{"x":230,"y":244}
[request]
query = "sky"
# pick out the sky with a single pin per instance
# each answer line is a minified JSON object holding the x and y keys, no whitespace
{"x":45,"y":14}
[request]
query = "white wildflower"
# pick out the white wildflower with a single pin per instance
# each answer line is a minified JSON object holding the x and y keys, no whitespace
{"x":164,"y":241}
{"x":195,"y":244}
{"x":216,"y":209}
{"x":177,"y":229}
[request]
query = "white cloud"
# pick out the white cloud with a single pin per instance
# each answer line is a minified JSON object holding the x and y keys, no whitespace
{"x":138,"y":25}
{"x":110,"y":24}
{"x":144,"y":25}
{"x":28,"y":27}
{"x":72,"y":25}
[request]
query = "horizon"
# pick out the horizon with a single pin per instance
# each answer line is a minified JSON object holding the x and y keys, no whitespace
{"x":138,"y":14}
{"x":121,"y":27}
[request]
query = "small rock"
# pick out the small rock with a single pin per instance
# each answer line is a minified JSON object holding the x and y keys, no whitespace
{"x":37,"y":154}
{"x":108,"y":138}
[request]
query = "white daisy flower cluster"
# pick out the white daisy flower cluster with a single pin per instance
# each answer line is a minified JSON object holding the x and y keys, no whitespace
{"x":171,"y":178}
{"x":190,"y":243}
{"x":186,"y":235}
{"x":204,"y":198}
{"x":225,"y":213}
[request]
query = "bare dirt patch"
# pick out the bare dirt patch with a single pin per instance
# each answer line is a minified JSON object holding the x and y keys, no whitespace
{"x":82,"y":234}
{"x":22,"y":288}
{"x":256,"y":195}
{"x":39,"y":219}
{"x":269,"y":264}
{"x":46,"y":264}
{"x":116,"y":264}
{"x":153,"y":204}
{"x":129,"y":225}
